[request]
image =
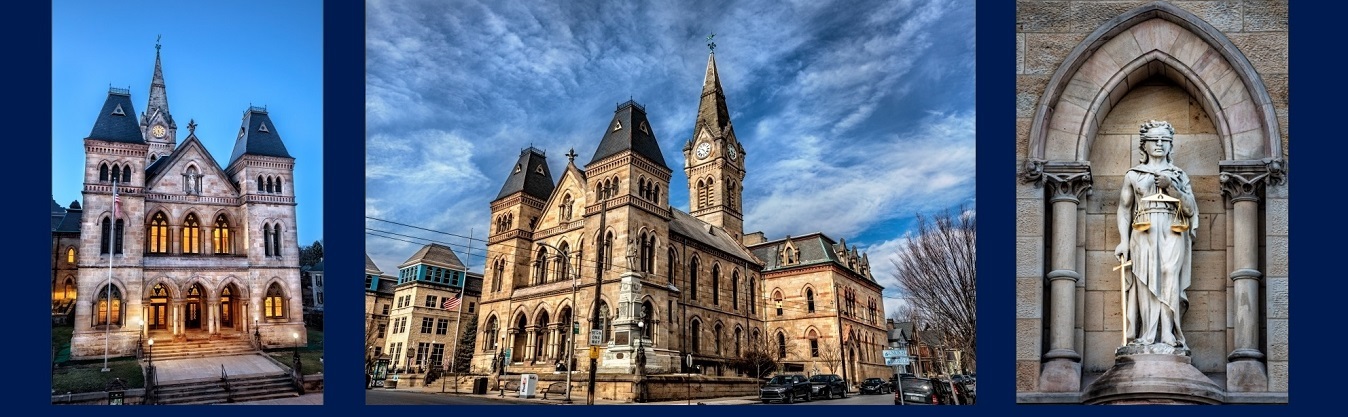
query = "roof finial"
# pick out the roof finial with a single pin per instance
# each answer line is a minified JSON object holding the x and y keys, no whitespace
{"x":571,"y":155}
{"x":191,"y":127}
{"x":156,"y":43}
{"x":711,"y":45}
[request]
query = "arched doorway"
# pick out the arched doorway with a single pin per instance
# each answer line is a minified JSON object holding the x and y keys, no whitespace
{"x":158,"y":316}
{"x":192,"y":305}
{"x":229,"y":306}
{"x":517,"y":351}
{"x":541,"y":341}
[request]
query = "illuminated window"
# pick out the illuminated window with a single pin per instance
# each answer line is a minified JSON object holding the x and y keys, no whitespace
{"x":109,"y":310}
{"x":70,"y":255}
{"x":274,"y":304}
{"x":158,"y":234}
{"x":191,"y":234}
{"x":220,"y":236}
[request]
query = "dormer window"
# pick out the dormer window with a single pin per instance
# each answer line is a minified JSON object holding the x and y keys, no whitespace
{"x":617,"y":125}
{"x":645,"y":128}
{"x":539,"y":170}
{"x":518,"y":168}
{"x":118,"y":111}
{"x":262,"y":127}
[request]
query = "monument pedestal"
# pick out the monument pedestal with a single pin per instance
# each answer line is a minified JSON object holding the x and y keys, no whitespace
{"x":1153,"y":378}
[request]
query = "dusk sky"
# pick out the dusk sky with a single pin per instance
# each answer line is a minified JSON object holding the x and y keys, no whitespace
{"x":218,"y":59}
{"x":855,"y":116}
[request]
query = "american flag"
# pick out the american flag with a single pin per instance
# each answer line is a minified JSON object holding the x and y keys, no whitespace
{"x":116,"y":201}
{"x":451,"y":303}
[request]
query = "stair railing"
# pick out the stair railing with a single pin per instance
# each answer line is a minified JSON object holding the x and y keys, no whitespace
{"x":224,"y":378}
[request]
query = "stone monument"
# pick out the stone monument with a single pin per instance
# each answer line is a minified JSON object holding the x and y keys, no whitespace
{"x":1157,"y":221}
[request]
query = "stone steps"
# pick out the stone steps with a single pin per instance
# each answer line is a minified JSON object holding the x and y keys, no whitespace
{"x":201,"y":348}
{"x":241,"y":389}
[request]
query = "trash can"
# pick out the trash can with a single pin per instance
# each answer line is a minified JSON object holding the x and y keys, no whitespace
{"x":480,"y":385}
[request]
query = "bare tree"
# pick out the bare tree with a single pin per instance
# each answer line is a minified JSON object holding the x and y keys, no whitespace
{"x":762,"y":357}
{"x":937,"y":272}
{"x":831,"y":357}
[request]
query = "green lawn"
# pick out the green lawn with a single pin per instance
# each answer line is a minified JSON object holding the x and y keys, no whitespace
{"x":87,"y":376}
{"x":310,"y":355}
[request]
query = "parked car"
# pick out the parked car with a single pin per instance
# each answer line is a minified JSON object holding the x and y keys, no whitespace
{"x":875,"y":386}
{"x":922,"y":391}
{"x":785,"y":388}
{"x":828,"y":386}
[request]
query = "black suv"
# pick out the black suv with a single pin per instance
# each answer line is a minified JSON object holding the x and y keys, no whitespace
{"x":827,"y":386}
{"x":785,"y":388}
{"x":874,"y":386}
{"x":922,"y":391}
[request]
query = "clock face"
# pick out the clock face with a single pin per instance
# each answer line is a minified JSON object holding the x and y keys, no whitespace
{"x":703,"y":149}
{"x":157,"y":131}
{"x":733,"y":154}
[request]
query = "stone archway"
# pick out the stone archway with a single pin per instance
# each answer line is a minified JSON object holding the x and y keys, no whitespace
{"x":1161,"y":62}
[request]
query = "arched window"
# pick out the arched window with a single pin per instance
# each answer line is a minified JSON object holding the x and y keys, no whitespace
{"x":716,"y":337}
{"x":109,"y":309}
{"x":701,"y":195}
{"x":157,"y":236}
{"x":119,"y":231}
{"x":716,"y":285}
{"x":276,"y":239}
{"x":647,"y":252}
{"x":735,"y":290}
{"x":266,"y":240}
{"x":695,"y":335}
{"x":738,"y":334}
{"x":781,"y":345}
{"x":563,"y":263}
{"x":655,"y":194}
{"x":269,"y":185}
{"x":809,"y":300}
{"x":692,"y":279}
{"x":711,"y":192}
{"x":68,"y":292}
{"x":126,"y":174}
{"x":604,"y":322}
{"x":273,"y":305}
{"x":498,"y":272}
{"x":490,"y":334}
{"x":261,"y":185}
{"x":220,"y":236}
{"x":102,"y":172}
{"x":278,"y":185}
{"x":70,"y":255}
{"x":191,"y":234}
{"x":105,"y":237}
{"x":814,"y":343}
{"x":541,"y":266}
{"x":777,"y":299}
{"x":608,"y":250}
{"x":669,"y":271}
{"x":753,"y":298}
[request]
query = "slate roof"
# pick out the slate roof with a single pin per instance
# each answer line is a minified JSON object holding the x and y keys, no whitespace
{"x":525,"y":176}
{"x":115,"y":126}
{"x":57,"y":212}
{"x":434,"y":254}
{"x":712,"y":110}
{"x":630,"y":129}
{"x":70,"y":222}
{"x":370,"y":267}
{"x":258,"y":137}
{"x":815,"y":248}
{"x":693,"y":228}
{"x":318,"y":267}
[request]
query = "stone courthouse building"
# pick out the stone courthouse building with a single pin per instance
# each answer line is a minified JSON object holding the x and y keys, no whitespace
{"x":678,"y":286}
{"x":1089,"y":73}
{"x":186,"y":249}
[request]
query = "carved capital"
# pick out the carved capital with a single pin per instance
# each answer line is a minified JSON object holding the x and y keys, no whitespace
{"x":1244,"y":180}
{"x":1067,"y":181}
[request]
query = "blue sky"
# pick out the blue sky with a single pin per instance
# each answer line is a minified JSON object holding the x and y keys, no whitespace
{"x":855,"y":116}
{"x":218,"y":58}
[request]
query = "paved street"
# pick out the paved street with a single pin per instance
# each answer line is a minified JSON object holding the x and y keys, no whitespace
{"x":852,"y":399}
{"x":395,"y":397}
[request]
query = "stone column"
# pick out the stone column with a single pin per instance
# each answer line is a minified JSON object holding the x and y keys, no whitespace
{"x":1066,"y":183}
{"x":1242,"y":182}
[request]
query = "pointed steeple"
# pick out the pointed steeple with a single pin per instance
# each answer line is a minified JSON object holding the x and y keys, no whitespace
{"x":712,"y":111}
{"x":158,"y":95}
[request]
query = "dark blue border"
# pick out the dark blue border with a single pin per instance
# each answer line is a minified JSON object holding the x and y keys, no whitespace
{"x":1315,"y":224}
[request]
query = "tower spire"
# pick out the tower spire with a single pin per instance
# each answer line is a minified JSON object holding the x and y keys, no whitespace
{"x":158,"y":94}
{"x":712,"y":111}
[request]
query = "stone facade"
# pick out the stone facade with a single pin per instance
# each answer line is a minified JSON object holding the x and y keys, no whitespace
{"x":694,"y":286}
{"x":1088,"y":73}
{"x":190,"y":250}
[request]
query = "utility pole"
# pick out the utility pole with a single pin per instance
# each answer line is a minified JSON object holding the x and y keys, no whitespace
{"x":595,"y":325}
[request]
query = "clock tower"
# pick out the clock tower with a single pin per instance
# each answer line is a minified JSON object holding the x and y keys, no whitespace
{"x":156,"y":123}
{"x":714,"y":160}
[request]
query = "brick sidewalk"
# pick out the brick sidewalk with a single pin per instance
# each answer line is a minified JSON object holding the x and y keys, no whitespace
{"x":578,"y":398}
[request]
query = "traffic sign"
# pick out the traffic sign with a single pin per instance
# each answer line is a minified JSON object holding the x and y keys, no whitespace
{"x":594,"y":352}
{"x":596,"y":336}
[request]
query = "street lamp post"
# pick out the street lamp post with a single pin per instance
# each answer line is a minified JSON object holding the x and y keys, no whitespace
{"x":257,"y":335}
{"x":641,"y":359}
{"x":296,"y":358}
{"x":150,"y":354}
{"x":140,"y":336}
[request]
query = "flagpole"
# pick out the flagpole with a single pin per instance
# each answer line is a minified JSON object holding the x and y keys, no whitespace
{"x":454,"y":353}
{"x":112,"y":229}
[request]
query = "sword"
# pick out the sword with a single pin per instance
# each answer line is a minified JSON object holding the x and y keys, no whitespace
{"x":1123,"y":295}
